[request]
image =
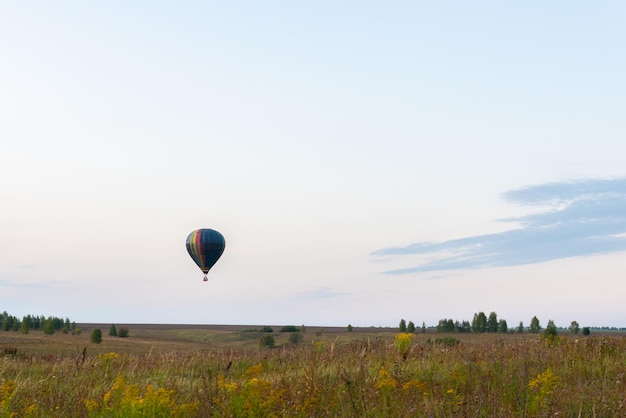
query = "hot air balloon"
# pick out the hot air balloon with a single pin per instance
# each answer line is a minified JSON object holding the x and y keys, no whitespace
{"x":205,"y":246}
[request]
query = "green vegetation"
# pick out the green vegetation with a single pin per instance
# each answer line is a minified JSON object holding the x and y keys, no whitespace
{"x":96,"y":336}
{"x":169,"y":372}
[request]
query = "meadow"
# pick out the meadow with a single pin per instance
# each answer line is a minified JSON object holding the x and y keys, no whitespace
{"x":202,"y":371}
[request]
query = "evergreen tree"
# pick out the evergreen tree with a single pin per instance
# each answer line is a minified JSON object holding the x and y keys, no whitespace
{"x":25,"y":324}
{"x":535,"y":327}
{"x":520,"y":327}
{"x":410,"y":327}
{"x":113,"y":331}
{"x":479,"y":323}
{"x":48,"y":327}
{"x":402,"y":325}
{"x":574,"y":327}
{"x":492,"y":322}
{"x":550,"y":330}
{"x":502,"y":326}
{"x":96,"y":336}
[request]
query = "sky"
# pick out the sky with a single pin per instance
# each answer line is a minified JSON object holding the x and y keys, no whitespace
{"x":365,"y":161}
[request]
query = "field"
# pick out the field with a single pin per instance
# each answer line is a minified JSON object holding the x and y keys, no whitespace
{"x":221,"y":371}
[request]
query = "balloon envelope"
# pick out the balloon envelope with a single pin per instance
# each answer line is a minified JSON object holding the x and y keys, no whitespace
{"x":205,"y":246}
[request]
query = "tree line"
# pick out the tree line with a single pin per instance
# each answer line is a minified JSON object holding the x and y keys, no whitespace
{"x":481,"y":323}
{"x":49,"y":324}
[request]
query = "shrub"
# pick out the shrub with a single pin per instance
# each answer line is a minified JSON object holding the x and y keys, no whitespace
{"x":113,"y":331}
{"x":295,"y":338}
{"x":267,"y":329}
{"x":123,"y":332}
{"x":96,"y":336}
{"x":48,"y":328}
{"x":349,"y":328}
{"x":289,"y":328}
{"x":267,"y":341}
{"x":447,"y":341}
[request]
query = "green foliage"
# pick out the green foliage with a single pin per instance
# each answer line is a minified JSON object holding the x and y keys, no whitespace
{"x":535,"y":327}
{"x":25,"y":325}
{"x":349,"y":328}
{"x":295,"y":337}
{"x":503,"y":326}
{"x":96,"y":336}
{"x":289,"y":328}
{"x":492,"y":322}
{"x":511,"y":376}
{"x":586,"y":331}
{"x":520,"y":327}
{"x":48,"y":327}
{"x":402,"y":326}
{"x":267,"y":341}
{"x":112,"y":331}
{"x":267,"y":329}
{"x":479,"y":323}
{"x":122,"y":332}
{"x":574,"y":328}
{"x":447,"y":341}
{"x":410,"y":327}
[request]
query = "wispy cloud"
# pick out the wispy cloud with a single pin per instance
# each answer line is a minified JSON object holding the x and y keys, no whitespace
{"x":578,"y":218}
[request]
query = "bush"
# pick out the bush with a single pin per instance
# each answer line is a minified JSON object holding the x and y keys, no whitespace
{"x":289,"y":328}
{"x":447,"y":341}
{"x":295,"y":337}
{"x":267,"y":341}
{"x":113,"y":331}
{"x":96,"y":336}
{"x":122,"y":332}
{"x":267,"y":329}
{"x":48,"y":328}
{"x":349,"y":328}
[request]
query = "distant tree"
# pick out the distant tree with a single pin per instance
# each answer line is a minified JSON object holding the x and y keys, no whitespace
{"x":267,"y":329}
{"x":410,"y":327}
{"x":574,"y":328}
{"x":492,"y":322}
{"x":295,"y":337}
{"x":479,"y":323}
{"x":25,"y":324}
{"x":445,"y":325}
{"x":402,"y":327}
{"x":502,"y":326}
{"x":122,"y":332}
{"x":520,"y":327}
{"x":267,"y":341}
{"x":586,"y":331}
{"x":289,"y":328}
{"x":113,"y":331}
{"x":550,"y":331}
{"x":302,"y":328}
{"x":349,"y":328}
{"x":535,"y":327}
{"x":48,"y":327}
{"x":96,"y":336}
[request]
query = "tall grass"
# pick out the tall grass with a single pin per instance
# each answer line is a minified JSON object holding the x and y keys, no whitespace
{"x":401,"y":377}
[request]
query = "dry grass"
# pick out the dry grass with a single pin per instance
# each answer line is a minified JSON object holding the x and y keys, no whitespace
{"x":203,"y":371}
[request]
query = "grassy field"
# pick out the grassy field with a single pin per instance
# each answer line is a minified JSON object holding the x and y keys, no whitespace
{"x":187,"y":371}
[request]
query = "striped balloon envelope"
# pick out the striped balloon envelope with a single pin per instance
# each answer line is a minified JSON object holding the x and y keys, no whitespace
{"x":205,"y":246}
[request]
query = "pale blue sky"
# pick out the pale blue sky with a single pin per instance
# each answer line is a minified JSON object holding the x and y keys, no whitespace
{"x":348,"y":152}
